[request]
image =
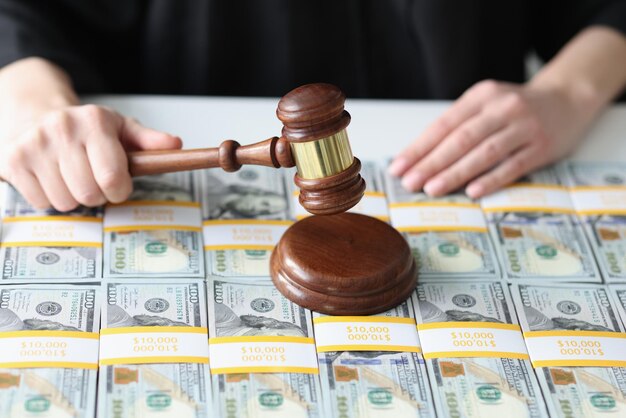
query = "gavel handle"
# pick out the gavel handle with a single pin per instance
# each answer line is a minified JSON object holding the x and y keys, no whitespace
{"x":273,"y":152}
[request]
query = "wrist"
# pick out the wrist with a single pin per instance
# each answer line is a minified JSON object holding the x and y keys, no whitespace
{"x":579,"y":96}
{"x":29,"y":88}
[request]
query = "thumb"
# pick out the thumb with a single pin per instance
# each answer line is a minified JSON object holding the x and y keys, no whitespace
{"x":136,"y":137}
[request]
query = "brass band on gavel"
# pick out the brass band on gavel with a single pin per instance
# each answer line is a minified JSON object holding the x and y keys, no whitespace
{"x":323,"y":157}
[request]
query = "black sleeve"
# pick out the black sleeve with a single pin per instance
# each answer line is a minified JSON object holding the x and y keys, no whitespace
{"x":79,"y":36}
{"x":555,"y":22}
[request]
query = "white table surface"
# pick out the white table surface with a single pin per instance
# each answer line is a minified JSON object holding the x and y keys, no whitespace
{"x":379,"y":128}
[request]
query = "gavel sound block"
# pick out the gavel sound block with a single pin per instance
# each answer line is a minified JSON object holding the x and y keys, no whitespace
{"x":337,"y":263}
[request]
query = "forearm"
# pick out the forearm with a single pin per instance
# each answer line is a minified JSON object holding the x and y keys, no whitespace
{"x":29,"y":88}
{"x":590,"y":70}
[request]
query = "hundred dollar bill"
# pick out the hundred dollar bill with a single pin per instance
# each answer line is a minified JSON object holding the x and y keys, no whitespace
{"x":606,"y":232}
{"x":376,"y":383}
{"x":46,"y":263}
{"x":156,"y":252}
{"x":254,"y":307}
{"x":49,"y":392}
{"x":446,"y":255}
{"x":154,"y":390}
{"x":259,"y":193}
{"x":134,"y":391}
{"x":542,"y":244}
{"x":477,"y":387}
{"x":578,"y":392}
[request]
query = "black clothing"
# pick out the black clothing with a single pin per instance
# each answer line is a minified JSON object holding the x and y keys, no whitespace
{"x":370,"y":48}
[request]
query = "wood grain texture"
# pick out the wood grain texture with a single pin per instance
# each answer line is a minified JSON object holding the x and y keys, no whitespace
{"x":346,"y":264}
{"x":230,"y":156}
{"x":334,"y":194}
{"x":312,"y":111}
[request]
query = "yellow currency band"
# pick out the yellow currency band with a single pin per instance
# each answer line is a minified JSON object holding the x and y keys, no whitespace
{"x":160,"y":329}
{"x":155,"y":203}
{"x":369,"y":347}
{"x":442,"y":228}
{"x":238,"y":247}
{"x":434,"y":205}
{"x":130,"y":228}
{"x":578,"y":363}
{"x":158,"y":359}
{"x":51,"y":244}
{"x":567,"y":211}
{"x":483,"y":354}
{"x":265,"y":369}
{"x":93,"y":219}
{"x":536,"y":186}
{"x":387,"y":319}
{"x":488,"y":325}
{"x":244,"y":222}
{"x":598,"y":188}
{"x":51,"y":333}
{"x":50,"y":364}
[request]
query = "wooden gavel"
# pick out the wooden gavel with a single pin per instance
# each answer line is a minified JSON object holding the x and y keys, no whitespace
{"x":314,"y":139}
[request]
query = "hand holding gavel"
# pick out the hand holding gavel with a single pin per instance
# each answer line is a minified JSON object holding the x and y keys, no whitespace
{"x":314,"y":140}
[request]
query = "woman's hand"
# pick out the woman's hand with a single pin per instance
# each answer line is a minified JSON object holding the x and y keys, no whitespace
{"x":77,"y":155}
{"x":58,"y":153}
{"x":495,"y":133}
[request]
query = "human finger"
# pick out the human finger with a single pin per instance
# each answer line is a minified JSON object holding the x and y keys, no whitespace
{"x":486,"y":155}
{"x":49,"y":177}
{"x":28,"y":186}
{"x":105,"y":153}
{"x":78,"y":176}
{"x":135,"y":136}
{"x":457,"y":144}
{"x":465,"y":107}
{"x":509,"y":170}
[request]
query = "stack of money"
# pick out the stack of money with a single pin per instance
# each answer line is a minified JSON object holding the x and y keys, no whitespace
{"x":482,"y":387}
{"x":606,"y":229}
{"x":583,"y":391}
{"x":373,"y":203}
{"x":46,"y":245}
{"x":244,"y":213}
{"x":447,"y":244}
{"x":359,"y":384}
{"x":177,"y":389}
{"x":157,"y":233}
{"x":252,"y":307}
{"x":48,"y":391}
{"x":536,"y":233}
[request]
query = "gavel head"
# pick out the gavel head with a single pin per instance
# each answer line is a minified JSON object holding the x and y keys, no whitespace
{"x":315,"y":124}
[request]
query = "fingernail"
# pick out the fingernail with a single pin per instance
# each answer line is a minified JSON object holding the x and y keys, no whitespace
{"x":398,"y":166}
{"x":412,"y":181}
{"x":434,"y":187}
{"x":474,"y":190}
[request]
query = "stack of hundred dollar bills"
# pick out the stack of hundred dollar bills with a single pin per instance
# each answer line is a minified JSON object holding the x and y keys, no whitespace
{"x":253,"y":307}
{"x":254,"y":194}
{"x":540,"y":242}
{"x":538,"y":269}
{"x":574,"y":391}
{"x":606,"y":231}
{"x":143,"y":390}
{"x":477,"y":387}
{"x":34,"y":261}
{"x":47,"y":391}
{"x":447,"y":254}
{"x":135,"y":247}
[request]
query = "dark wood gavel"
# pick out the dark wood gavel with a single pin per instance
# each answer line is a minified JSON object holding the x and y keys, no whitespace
{"x":314,"y":139}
